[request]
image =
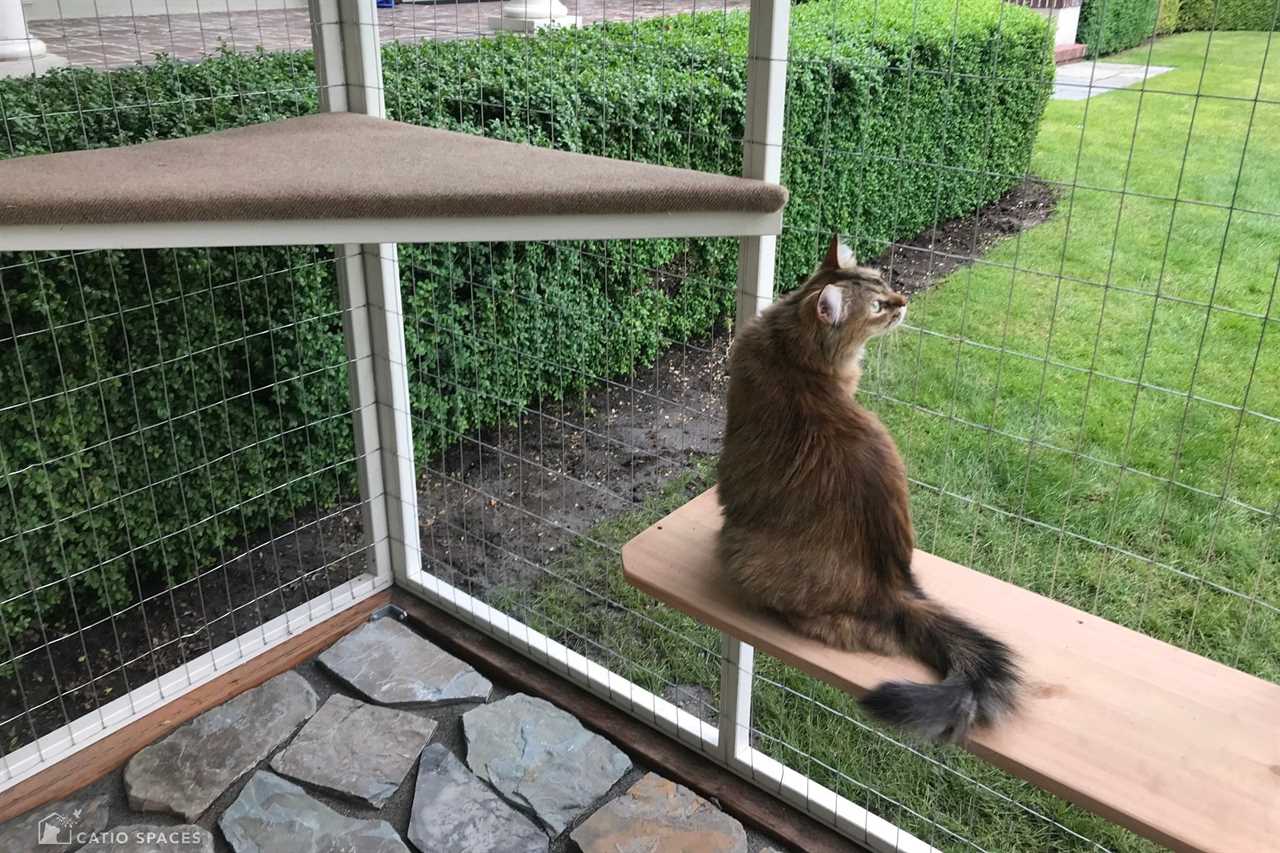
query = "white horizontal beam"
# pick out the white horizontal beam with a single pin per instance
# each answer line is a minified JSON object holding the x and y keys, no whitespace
{"x":166,"y":235}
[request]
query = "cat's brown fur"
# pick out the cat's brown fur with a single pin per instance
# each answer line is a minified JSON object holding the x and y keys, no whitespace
{"x":817,"y":521}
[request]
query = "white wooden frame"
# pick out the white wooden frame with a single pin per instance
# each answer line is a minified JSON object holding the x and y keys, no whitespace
{"x":349,"y":73}
{"x":166,"y":235}
{"x":349,"y":70}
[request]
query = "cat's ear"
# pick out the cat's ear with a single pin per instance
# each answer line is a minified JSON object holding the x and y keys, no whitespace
{"x":830,"y":305}
{"x":839,"y":255}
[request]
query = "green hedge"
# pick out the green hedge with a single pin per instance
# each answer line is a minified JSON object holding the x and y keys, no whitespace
{"x":1167,"y":17}
{"x":219,"y":376}
{"x":1229,"y":15}
{"x":1108,"y":26}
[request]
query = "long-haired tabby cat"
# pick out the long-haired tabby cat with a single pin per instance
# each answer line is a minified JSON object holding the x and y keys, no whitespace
{"x":816,"y":521}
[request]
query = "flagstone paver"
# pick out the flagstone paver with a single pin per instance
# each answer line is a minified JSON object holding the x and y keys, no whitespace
{"x":541,"y":759}
{"x":658,"y":816}
{"x":391,"y":665}
{"x":185,"y":772}
{"x":355,"y":749}
{"x":273,"y":814}
{"x":454,"y":812}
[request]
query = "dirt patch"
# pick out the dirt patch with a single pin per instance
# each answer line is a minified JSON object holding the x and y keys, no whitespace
{"x":496,"y":510}
{"x":503,"y":505}
{"x":63,"y":672}
{"x":914,"y":265}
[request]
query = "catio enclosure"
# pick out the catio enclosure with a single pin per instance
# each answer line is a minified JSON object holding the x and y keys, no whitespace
{"x":208,"y":450}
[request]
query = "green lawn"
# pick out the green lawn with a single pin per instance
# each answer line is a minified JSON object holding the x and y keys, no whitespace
{"x":1090,"y":396}
{"x":1129,"y":346}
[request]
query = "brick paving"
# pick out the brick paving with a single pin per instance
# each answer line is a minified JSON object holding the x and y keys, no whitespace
{"x":116,"y":41}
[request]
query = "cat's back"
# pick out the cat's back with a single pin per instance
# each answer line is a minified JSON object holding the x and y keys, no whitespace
{"x":794,"y":435}
{"x":760,"y":384}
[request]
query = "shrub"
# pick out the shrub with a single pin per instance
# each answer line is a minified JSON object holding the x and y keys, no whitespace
{"x":183,"y":399}
{"x":1167,"y":17}
{"x":1107,"y":26}
{"x":1229,"y":15}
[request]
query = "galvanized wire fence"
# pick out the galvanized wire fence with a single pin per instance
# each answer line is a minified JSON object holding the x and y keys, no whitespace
{"x":1080,"y":395}
{"x":178,"y":477}
{"x":179,"y":470}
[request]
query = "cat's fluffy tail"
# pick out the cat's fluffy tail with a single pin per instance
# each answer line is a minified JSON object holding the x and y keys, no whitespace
{"x":980,"y":680}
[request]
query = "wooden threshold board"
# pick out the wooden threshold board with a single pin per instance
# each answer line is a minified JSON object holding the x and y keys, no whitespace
{"x":101,"y":757}
{"x":1177,"y":748}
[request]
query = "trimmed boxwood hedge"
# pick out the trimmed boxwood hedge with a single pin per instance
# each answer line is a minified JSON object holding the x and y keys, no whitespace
{"x":180,"y":399}
{"x":1108,"y":26}
{"x":1229,"y":15}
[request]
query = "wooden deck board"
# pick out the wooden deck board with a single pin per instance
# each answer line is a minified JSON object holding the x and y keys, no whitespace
{"x":1176,"y":747}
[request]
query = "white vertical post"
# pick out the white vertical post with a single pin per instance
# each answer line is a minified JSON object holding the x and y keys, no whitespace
{"x":761,"y":159}
{"x":15,"y":42}
{"x":349,"y":69}
{"x":21,"y":53}
{"x":762,"y":143}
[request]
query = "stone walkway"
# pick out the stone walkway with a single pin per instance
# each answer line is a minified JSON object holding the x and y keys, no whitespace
{"x":1079,"y":81}
{"x":111,"y":42}
{"x":323,"y":758}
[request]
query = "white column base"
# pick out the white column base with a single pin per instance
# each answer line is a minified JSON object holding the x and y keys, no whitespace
{"x":28,"y":65}
{"x":529,"y":16}
{"x":1066,"y":22}
{"x":504,"y":23}
{"x":21,"y":48}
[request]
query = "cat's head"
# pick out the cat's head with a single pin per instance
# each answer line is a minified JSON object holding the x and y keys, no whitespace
{"x":844,"y":304}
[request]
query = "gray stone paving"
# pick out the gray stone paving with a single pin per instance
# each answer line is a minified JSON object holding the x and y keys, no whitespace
{"x":274,"y":814}
{"x":540,"y":758}
{"x":392,"y":665}
{"x":114,"y":41}
{"x":185,"y":772}
{"x":543,"y":784}
{"x":453,"y":810}
{"x":356,"y":749}
{"x":1078,"y":81}
{"x":658,"y":816}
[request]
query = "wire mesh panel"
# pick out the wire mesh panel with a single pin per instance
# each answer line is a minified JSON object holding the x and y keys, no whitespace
{"x":179,"y":470}
{"x":564,"y":395}
{"x":1079,"y":397}
{"x":1076,"y":395}
{"x":1081,"y":394}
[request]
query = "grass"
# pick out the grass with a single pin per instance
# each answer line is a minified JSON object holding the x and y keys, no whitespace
{"x":1090,"y":412}
{"x":1118,"y":361}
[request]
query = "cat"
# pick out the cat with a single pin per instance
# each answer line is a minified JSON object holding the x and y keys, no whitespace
{"x":817,"y":526}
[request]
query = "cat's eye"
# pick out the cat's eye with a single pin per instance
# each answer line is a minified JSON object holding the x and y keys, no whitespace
{"x":877,"y":307}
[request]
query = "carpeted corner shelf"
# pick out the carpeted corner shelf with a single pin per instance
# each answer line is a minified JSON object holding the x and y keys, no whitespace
{"x":1178,"y":748}
{"x":349,"y":178}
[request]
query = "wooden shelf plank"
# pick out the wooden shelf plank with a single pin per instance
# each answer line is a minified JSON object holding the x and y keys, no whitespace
{"x":1176,"y":747}
{"x":349,"y":178}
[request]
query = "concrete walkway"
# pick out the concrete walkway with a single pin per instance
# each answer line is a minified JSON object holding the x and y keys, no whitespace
{"x":1079,"y":81}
